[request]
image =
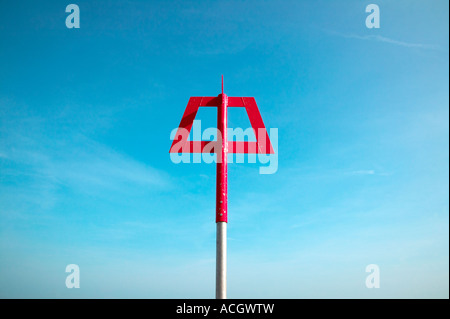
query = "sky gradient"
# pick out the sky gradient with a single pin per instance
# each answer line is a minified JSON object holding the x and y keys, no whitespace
{"x":363,"y":149}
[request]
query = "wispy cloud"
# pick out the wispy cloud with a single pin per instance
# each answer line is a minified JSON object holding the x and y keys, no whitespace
{"x":396,"y":42}
{"x":380,"y":38}
{"x":83,"y":165}
{"x":41,"y":160}
{"x":363,"y":172}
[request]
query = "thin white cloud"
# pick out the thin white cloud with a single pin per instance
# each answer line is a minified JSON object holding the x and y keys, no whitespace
{"x":45,"y":157}
{"x":393,"y":41}
{"x":363,"y":172}
{"x":380,"y":38}
{"x":86,"y":165}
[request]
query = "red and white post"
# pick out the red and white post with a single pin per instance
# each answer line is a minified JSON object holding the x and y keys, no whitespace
{"x":261,"y":146}
{"x":222,"y":199}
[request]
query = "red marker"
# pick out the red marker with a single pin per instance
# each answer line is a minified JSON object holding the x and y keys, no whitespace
{"x":261,"y":146}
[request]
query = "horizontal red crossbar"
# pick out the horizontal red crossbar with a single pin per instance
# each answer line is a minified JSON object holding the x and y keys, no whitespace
{"x":234,"y":147}
{"x":215,"y":101}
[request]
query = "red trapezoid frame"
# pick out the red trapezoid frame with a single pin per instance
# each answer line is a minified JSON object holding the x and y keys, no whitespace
{"x":261,"y":146}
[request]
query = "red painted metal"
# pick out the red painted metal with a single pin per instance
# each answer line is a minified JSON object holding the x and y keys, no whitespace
{"x":222,"y":146}
{"x":261,"y":146}
{"x":222,"y":172}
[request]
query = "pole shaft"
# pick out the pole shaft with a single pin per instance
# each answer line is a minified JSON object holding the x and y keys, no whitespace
{"x":222,"y":174}
{"x":222,"y":200}
{"x":221,"y":261}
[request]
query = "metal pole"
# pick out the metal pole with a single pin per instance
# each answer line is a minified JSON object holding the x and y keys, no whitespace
{"x":221,"y":200}
{"x":221,"y":261}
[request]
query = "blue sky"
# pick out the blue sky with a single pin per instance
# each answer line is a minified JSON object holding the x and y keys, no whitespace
{"x":363,"y":149}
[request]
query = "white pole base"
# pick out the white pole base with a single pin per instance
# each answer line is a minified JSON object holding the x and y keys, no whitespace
{"x":221,"y":260}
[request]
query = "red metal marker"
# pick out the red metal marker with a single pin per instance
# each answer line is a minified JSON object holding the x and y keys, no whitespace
{"x":261,"y":146}
{"x":222,"y":171}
